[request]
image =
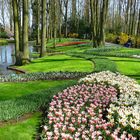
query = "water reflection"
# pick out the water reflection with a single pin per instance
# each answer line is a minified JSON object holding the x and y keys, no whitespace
{"x":7,"y":54}
{"x":7,"y":57}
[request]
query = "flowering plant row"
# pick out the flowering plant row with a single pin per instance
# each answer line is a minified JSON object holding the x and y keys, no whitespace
{"x":80,"y":113}
{"x":41,"y":76}
{"x":127,"y":106}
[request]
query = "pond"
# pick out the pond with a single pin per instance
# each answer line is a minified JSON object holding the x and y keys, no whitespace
{"x":7,"y":57}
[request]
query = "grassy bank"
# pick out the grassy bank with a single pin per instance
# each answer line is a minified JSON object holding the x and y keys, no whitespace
{"x":3,"y":42}
{"x":59,"y":63}
{"x":20,"y":130}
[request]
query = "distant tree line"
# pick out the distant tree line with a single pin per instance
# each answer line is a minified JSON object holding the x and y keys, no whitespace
{"x":42,"y":20}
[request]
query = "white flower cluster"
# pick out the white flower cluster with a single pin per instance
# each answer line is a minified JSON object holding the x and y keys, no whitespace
{"x":128,"y":103}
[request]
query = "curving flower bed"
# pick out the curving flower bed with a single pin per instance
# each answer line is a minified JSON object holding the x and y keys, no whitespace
{"x":105,"y":106}
{"x":41,"y":76}
{"x":127,"y":106}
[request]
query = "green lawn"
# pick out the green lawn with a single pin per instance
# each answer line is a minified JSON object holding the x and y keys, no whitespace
{"x":128,"y":66}
{"x":32,"y":95}
{"x":59,"y":63}
{"x":63,"y":40}
{"x":74,"y":48}
{"x":12,"y":90}
{"x":24,"y":130}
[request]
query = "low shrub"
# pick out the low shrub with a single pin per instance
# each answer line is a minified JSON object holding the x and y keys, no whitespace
{"x":110,"y":37}
{"x":3,"y":35}
{"x":41,"y":76}
{"x":73,"y":35}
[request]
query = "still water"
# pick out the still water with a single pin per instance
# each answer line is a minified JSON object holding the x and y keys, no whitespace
{"x":7,"y":57}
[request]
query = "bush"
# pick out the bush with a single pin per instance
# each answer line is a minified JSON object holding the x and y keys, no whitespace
{"x":110,"y":37}
{"x":123,"y":39}
{"x":3,"y":35}
{"x":73,"y":35}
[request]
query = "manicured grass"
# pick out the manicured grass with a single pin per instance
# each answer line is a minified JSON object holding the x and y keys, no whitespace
{"x":15,"y":108}
{"x":13,"y":90}
{"x":75,"y":48}
{"x":100,"y":63}
{"x":24,"y":130}
{"x":128,"y":66}
{"x":59,"y":63}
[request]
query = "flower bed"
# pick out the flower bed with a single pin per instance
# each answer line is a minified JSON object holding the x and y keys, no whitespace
{"x":41,"y":76}
{"x":104,"y":106}
{"x":70,"y":43}
{"x":127,"y":107}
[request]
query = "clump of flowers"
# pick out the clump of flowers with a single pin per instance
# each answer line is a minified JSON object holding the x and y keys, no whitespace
{"x":41,"y":76}
{"x":127,"y":105}
{"x":80,"y":113}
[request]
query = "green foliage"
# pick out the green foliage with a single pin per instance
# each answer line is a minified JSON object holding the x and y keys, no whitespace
{"x":83,"y":27}
{"x":3,"y":35}
{"x":110,"y":37}
{"x":14,"y":108}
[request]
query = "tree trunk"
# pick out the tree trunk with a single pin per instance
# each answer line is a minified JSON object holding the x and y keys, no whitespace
{"x":102,"y":22}
{"x":16,"y":33}
{"x":66,"y":18}
{"x":55,"y":23}
{"x":93,"y":23}
{"x":133,"y":18}
{"x":38,"y":23}
{"x":138,"y":30}
{"x":2,"y":13}
{"x":25,"y":58}
{"x":20,"y":25}
{"x":43,"y":35}
{"x":74,"y":11}
{"x":11,"y":16}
